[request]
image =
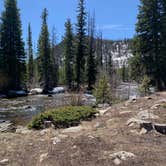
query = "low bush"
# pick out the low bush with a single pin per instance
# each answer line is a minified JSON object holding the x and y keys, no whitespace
{"x":63,"y":117}
{"x":144,"y":88}
{"x":102,"y":91}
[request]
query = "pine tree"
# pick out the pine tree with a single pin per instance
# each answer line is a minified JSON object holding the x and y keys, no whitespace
{"x":45,"y":64}
{"x":99,"y":51}
{"x":163,"y":41}
{"x":81,"y":44}
{"x":55,"y":65}
{"x":30,"y":56}
{"x":91,"y":61}
{"x":124,"y":72}
{"x":149,"y":39}
{"x":12,"y":46}
{"x":68,"y":52}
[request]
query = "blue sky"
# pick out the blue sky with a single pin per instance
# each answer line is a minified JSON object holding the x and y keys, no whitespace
{"x":115,"y":18}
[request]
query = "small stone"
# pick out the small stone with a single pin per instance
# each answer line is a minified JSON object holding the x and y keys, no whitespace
{"x":91,"y":137}
{"x":104,"y":111}
{"x":63,"y":136}
{"x":47,"y":124}
{"x":43,"y":132}
{"x":43,"y":157}
{"x":97,"y":114}
{"x":155,"y":106}
{"x":56,"y":140}
{"x":105,"y":105}
{"x":125,"y":112}
{"x":148,"y":98}
{"x":72,"y":129}
{"x":98,"y":125}
{"x":143,"y":131}
{"x":4,"y":161}
{"x":22,"y":130}
{"x":74,"y":147}
{"x":117,"y":161}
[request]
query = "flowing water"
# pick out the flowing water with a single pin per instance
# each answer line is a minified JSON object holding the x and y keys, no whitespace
{"x":21,"y":110}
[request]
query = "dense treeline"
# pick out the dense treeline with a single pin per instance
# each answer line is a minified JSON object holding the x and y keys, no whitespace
{"x":77,"y":66}
{"x":149,"y":45}
{"x":84,"y":55}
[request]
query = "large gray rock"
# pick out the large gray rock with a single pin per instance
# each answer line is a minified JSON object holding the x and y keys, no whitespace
{"x":146,"y":114}
{"x":7,"y":126}
{"x":72,"y":129}
{"x":22,"y":130}
{"x":121,"y":156}
{"x":36,"y":91}
{"x":4,"y":161}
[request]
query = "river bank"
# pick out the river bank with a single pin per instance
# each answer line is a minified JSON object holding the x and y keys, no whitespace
{"x":115,"y":137}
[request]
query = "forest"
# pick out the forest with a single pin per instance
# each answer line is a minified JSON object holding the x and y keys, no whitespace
{"x":82,"y":59}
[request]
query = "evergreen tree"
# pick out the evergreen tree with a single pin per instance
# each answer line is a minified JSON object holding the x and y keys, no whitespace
{"x":163,"y":41}
{"x":91,"y":61}
{"x":12,"y":46}
{"x":55,"y":65}
{"x":124,"y":72}
{"x":68,"y":52}
{"x":99,"y":51}
{"x":45,"y":64}
{"x":149,"y":39}
{"x":30,"y":56}
{"x":81,"y":43}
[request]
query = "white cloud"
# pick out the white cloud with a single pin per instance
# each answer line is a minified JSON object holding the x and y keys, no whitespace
{"x":117,"y":27}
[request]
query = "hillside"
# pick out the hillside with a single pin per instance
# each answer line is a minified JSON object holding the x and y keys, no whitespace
{"x":120,"y":51}
{"x":127,"y":134}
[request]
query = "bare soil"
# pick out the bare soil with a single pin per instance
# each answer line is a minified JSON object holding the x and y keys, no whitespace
{"x":92,"y":143}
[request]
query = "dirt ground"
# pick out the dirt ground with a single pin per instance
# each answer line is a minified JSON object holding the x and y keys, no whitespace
{"x":92,"y":143}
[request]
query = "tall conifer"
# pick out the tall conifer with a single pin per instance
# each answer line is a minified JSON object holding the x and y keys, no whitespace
{"x":12,"y":46}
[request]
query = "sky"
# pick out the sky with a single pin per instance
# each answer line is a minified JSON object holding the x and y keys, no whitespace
{"x":115,"y":18}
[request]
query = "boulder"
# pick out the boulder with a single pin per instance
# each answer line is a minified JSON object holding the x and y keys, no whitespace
{"x":133,"y":121}
{"x":146,"y":114}
{"x":148,"y":126}
{"x":4,"y":161}
{"x":145,"y":126}
{"x":36,"y":91}
{"x":121,"y":156}
{"x":7,"y":126}
{"x":72,"y":129}
{"x":22,"y":130}
{"x":57,"y":90}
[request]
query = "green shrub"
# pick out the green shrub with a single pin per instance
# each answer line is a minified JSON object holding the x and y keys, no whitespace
{"x":63,"y":117}
{"x":102,"y":91}
{"x":144,"y":88}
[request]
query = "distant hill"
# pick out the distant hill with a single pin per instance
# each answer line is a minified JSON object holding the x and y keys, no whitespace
{"x":120,"y":50}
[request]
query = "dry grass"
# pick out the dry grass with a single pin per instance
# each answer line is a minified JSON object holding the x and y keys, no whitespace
{"x":92,"y":145}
